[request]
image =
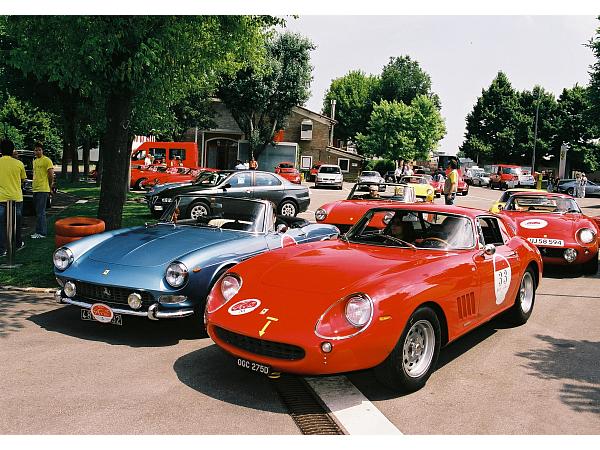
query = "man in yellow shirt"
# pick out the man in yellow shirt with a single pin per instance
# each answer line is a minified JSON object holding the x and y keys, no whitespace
{"x":12,"y":174}
{"x":451,"y":183}
{"x":43,"y":178}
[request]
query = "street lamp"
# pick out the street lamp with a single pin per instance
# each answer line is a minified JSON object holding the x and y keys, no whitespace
{"x":537,"y":112}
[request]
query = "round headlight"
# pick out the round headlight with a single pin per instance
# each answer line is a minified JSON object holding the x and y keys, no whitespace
{"x":587,"y":235}
{"x":63,"y":257}
{"x":358,"y":310}
{"x":570,"y":255}
{"x":134,"y":300}
{"x":70,"y":289}
{"x":230,"y":285}
{"x":320,"y":214}
{"x":176,"y":274}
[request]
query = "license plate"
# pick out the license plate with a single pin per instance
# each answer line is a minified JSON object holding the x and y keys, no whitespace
{"x":87,"y":315}
{"x":255,"y":367}
{"x":547,"y":242}
{"x":158,"y":208}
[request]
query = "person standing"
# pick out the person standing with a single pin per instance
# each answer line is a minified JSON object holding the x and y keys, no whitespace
{"x":12,"y":174}
{"x":43,"y":179}
{"x":253,"y":164}
{"x":398,"y":174}
{"x":451,"y":183}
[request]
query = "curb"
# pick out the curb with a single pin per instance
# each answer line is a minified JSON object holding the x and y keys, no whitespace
{"x":28,"y":289}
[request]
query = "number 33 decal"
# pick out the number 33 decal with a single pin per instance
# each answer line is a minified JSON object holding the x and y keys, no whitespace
{"x":502,"y":277}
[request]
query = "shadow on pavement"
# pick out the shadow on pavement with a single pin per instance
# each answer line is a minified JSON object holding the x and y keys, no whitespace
{"x":571,"y":361}
{"x":214,"y":373}
{"x":16,"y":307}
{"x":135,"y":331}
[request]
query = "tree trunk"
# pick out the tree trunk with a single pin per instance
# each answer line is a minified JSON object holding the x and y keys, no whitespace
{"x":116,"y":158}
{"x":86,"y":156}
{"x":65,"y":156}
{"x":100,"y":165}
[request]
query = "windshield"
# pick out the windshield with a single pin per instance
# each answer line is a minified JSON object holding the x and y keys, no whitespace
{"x":413,"y":229}
{"x":211,"y":178}
{"x":543,"y":204}
{"x":225,"y":213}
{"x":329,"y":169}
{"x":369,"y":174}
{"x":413,"y":180}
{"x":383,"y":191}
{"x":509,"y":170}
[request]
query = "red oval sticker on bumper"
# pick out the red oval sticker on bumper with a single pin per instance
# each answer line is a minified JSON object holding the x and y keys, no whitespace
{"x":101,"y":312}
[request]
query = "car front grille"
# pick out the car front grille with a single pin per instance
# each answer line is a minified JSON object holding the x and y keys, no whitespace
{"x":109,"y":293}
{"x":551,"y":252}
{"x":261,"y":347}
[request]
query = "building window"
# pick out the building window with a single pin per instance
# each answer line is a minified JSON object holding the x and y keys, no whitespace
{"x":306,"y":162}
{"x":344,"y":164}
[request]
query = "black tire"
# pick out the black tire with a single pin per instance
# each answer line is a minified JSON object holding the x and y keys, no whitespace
{"x":197,"y":209}
{"x":519,"y":313}
{"x":591,"y":267}
{"x":341,"y":187}
{"x":571,"y":192}
{"x":288,"y":208}
{"x":138,"y":184}
{"x":465,"y":192}
{"x":393,"y":372}
{"x":196,"y":320}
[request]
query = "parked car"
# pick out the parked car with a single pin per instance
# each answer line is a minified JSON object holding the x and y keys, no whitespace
{"x":405,"y":281}
{"x":172,"y":175}
{"x":288,"y":171}
{"x":390,"y":176}
{"x":345,"y":213}
{"x":290,"y":199}
{"x":329,"y":175}
{"x":141,"y":173}
{"x":312,"y":175}
{"x":570,"y":187}
{"x":498,"y":205}
{"x":525,"y":178}
{"x":166,"y":270}
{"x":555,"y":224}
{"x":504,"y":176}
{"x":370,"y":176}
{"x":480,"y":179}
{"x":423,"y":190}
{"x":438,"y":186}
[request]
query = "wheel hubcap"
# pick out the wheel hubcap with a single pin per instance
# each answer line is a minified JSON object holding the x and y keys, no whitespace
{"x":198,"y":211}
{"x":418,"y":349}
{"x":288,"y":210}
{"x":526,"y":292}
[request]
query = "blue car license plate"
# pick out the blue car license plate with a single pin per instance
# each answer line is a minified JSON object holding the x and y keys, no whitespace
{"x":86,"y":314}
{"x":255,"y":367}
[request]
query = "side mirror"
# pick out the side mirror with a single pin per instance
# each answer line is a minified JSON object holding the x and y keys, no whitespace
{"x":227,"y":186}
{"x":281,"y":228}
{"x":489,"y":249}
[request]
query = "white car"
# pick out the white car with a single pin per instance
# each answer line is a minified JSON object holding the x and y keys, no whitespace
{"x":329,"y":175}
{"x":370,"y":176}
{"x":526,"y":180}
{"x":480,"y":179}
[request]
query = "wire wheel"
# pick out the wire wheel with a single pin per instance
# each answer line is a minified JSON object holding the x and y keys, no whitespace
{"x":418,"y":349}
{"x":526,"y":292}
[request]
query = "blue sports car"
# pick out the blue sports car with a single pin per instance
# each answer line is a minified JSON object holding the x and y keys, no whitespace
{"x":166,"y":270}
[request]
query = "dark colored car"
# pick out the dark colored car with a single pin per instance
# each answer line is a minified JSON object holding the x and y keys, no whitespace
{"x":570,"y":187}
{"x":289,"y":199}
{"x":27,"y":157}
{"x":166,"y":270}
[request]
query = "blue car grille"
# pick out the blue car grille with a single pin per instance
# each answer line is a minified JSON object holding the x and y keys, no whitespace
{"x":260,"y":346}
{"x":109,"y":293}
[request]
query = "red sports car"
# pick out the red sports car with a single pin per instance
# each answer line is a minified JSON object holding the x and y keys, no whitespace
{"x":363,"y":196}
{"x":405,"y":281}
{"x":174,"y":175}
{"x":288,"y":171}
{"x":555,"y":224}
{"x":139,"y":174}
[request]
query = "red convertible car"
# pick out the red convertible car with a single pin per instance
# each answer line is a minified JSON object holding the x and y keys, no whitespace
{"x":363,"y":196}
{"x":288,"y":171}
{"x":555,"y":224}
{"x":405,"y":281}
{"x":174,"y":175}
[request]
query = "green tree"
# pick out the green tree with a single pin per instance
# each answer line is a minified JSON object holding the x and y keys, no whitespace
{"x":353,"y":94}
{"x":124,"y":59}
{"x":544,"y":104}
{"x":593,"y":91}
{"x":261,"y":96}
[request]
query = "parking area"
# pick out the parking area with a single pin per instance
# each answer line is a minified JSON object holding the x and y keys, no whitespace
{"x":62,"y":375}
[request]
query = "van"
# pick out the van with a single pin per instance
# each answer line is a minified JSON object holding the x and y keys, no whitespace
{"x":504,"y":176}
{"x":171,"y":154}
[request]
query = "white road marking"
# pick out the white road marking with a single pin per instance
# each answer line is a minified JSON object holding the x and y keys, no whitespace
{"x":352,"y":410}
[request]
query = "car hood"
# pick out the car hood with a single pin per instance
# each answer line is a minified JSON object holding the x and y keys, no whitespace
{"x":552,"y":225}
{"x":348,"y":212}
{"x":158,"y":245}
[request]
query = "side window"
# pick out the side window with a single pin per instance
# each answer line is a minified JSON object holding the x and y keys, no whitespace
{"x":490,"y":231}
{"x":241,"y":180}
{"x":158,"y":153}
{"x":265,"y":179}
{"x":174,"y":152}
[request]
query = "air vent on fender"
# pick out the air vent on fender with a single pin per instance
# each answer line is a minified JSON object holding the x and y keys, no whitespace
{"x":466,"y":305}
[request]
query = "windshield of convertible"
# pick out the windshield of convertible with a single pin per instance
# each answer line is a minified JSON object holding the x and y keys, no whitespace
{"x":382,"y":191}
{"x":413,"y":229}
{"x":542,"y":204}
{"x":225,"y":213}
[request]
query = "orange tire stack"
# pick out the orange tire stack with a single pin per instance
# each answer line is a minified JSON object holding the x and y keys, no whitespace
{"x":70,"y":229}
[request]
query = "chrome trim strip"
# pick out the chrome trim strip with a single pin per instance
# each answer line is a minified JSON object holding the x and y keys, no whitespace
{"x":157,"y":315}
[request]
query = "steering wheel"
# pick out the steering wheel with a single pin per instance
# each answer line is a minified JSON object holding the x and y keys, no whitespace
{"x":435,"y":240}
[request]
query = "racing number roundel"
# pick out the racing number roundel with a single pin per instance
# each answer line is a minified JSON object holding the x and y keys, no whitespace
{"x":502,"y":277}
{"x":533,"y":224}
{"x":101,"y":312}
{"x":244,"y":307}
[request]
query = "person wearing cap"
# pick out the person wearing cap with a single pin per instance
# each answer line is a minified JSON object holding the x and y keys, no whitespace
{"x":12,"y":174}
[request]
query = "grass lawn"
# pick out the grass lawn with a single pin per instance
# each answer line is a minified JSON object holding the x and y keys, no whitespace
{"x":36,"y":268}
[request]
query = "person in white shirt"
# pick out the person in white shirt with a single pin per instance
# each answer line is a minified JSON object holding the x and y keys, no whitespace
{"x":398,"y":174}
{"x":147,"y":160}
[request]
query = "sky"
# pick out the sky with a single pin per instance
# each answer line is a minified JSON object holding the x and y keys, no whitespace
{"x":462,"y":54}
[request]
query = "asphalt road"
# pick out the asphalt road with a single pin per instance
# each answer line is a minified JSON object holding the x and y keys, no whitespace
{"x":62,"y":375}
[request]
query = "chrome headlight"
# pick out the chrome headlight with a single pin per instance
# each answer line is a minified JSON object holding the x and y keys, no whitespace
{"x":70,"y":289}
{"x":586,"y":235}
{"x":359,"y":310}
{"x":176,"y":274}
{"x":570,"y":254}
{"x":230,"y":285}
{"x":320,"y":214}
{"x":63,"y":257}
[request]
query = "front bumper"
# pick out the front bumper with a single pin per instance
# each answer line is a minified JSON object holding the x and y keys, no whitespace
{"x":554,"y":255}
{"x":152,"y":312}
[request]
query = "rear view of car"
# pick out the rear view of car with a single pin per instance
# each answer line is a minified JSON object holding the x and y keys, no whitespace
{"x":329,"y":175}
{"x":288,"y":171}
{"x":370,"y":176}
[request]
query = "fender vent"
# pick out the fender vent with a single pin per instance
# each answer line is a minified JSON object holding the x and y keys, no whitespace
{"x":466,"y":306}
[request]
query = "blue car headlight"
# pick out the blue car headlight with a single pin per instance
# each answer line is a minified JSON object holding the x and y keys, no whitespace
{"x":63,"y":257}
{"x":176,"y":274}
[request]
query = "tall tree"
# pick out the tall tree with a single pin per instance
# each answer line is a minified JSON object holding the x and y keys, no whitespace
{"x":123,"y":59}
{"x":593,"y":91}
{"x":541,"y":104}
{"x":261,"y":97}
{"x":353,"y":94}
